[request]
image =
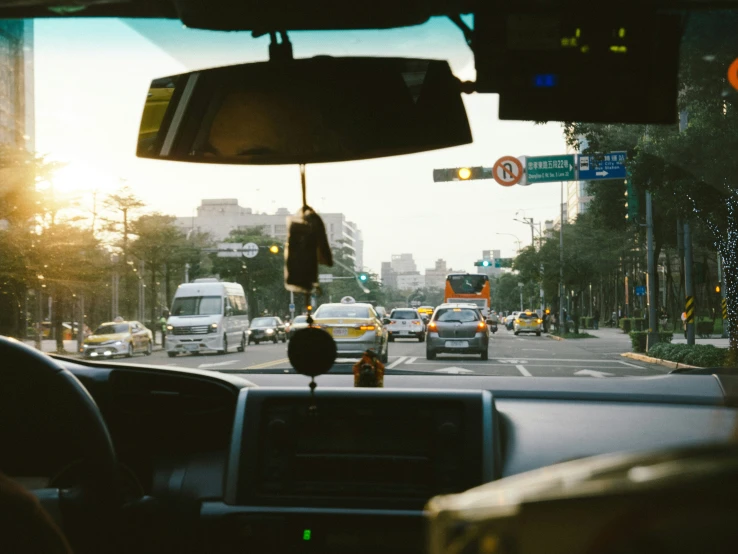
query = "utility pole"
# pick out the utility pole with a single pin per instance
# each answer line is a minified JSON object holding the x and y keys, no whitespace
{"x":723,"y":311}
{"x":688,"y":285}
{"x":561,"y":262}
{"x":80,"y":322}
{"x":653,"y":324}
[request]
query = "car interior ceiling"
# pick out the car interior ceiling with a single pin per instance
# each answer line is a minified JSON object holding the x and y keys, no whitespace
{"x":158,"y":459}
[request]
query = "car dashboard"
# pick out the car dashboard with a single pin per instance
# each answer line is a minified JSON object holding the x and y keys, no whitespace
{"x":255,"y":463}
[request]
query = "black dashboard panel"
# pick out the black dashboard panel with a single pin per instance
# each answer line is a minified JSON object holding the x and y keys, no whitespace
{"x":361,"y":448}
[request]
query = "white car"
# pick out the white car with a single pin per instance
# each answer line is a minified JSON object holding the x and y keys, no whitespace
{"x":406,"y":323}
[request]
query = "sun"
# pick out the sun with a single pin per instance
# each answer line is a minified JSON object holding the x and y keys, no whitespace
{"x":78,"y":177}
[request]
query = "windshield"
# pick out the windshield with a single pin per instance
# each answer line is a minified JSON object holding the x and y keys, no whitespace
{"x":87,"y":227}
{"x":112,"y":329}
{"x":358,"y":312}
{"x":264,"y":322}
{"x":404,"y":314}
{"x":456,"y":314}
{"x":197,"y":305}
{"x":300,"y":319}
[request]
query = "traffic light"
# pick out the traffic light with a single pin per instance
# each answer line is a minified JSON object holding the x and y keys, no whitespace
{"x":483,"y":263}
{"x":631,"y":201}
{"x":274,"y":249}
{"x":717,"y":288}
{"x":461,"y":174}
{"x":363,"y":277}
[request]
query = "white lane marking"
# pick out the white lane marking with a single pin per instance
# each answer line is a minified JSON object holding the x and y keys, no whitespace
{"x":411,"y":360}
{"x":515,"y":360}
{"x":593,"y":373}
{"x":524,"y":371}
{"x":511,"y":361}
{"x":397,"y":362}
{"x":535,"y":349}
{"x":218,"y":364}
{"x":454,"y":370}
{"x":630,"y":365}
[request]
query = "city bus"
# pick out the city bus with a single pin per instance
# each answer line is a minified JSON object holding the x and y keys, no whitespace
{"x":471,"y":288}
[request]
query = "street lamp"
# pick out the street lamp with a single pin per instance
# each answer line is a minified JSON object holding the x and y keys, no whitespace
{"x":514,"y":236}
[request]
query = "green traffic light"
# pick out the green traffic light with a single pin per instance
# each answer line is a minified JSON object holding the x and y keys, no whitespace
{"x":485,"y":263}
{"x":363,"y":277}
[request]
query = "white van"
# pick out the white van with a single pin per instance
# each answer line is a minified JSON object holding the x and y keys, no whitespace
{"x":207,"y":315}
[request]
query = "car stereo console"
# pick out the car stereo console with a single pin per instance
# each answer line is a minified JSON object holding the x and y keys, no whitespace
{"x":351,"y":474}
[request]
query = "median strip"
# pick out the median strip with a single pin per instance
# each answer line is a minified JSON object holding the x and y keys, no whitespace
{"x":659,"y":361}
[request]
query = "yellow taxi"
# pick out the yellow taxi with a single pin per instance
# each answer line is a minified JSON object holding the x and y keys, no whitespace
{"x":355,"y":326}
{"x":425,"y":311}
{"x":118,"y":338}
{"x":527,"y":322}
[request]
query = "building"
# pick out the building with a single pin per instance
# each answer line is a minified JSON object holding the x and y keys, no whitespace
{"x":435,"y":277}
{"x":220,"y":216}
{"x":410,"y":281}
{"x":388,"y":276}
{"x":577,"y":198}
{"x":17,"y":121}
{"x":403,"y":263}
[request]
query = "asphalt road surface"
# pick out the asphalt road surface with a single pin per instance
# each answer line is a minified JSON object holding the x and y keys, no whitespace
{"x":524,"y":355}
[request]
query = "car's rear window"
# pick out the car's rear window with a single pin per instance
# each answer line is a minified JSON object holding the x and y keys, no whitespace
{"x":112,"y":329}
{"x":405,"y":314}
{"x":527,"y":316}
{"x":342,"y":311}
{"x":462,"y":315}
{"x":300,"y":319}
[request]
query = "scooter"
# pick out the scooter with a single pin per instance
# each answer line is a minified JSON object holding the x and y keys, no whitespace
{"x":493,"y":327}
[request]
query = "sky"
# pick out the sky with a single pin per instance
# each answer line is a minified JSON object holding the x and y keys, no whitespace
{"x":92,"y":76}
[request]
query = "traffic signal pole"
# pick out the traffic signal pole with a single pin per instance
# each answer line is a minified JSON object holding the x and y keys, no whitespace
{"x":689,"y":285}
{"x":561,"y":263}
{"x":653,"y":323}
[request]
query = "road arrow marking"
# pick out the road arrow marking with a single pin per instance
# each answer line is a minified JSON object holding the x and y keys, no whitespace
{"x":593,"y":373}
{"x":397,"y":362}
{"x":601,"y":173}
{"x":218,"y":364}
{"x":524,"y":371}
{"x":454,"y":370}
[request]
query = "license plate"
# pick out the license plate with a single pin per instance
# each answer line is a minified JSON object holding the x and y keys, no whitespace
{"x":457,"y":344}
{"x":340,"y":332}
{"x":191,"y":347}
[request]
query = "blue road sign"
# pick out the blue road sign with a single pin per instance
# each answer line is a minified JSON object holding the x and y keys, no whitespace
{"x":641,"y":291}
{"x":292,"y":307}
{"x":602,"y":166}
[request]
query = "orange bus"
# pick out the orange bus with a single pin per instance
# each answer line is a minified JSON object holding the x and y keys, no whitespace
{"x":471,"y":288}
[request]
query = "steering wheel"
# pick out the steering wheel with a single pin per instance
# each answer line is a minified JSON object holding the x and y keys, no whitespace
{"x":46,"y":414}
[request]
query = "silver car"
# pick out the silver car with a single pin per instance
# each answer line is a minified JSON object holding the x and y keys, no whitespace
{"x":405,"y":323}
{"x":457,"y":329}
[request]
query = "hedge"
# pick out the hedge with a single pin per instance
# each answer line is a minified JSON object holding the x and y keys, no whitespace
{"x":628,"y":324}
{"x":638,"y":340}
{"x":700,"y":355}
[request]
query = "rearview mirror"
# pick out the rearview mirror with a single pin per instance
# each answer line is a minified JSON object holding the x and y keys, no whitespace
{"x":312,"y":110}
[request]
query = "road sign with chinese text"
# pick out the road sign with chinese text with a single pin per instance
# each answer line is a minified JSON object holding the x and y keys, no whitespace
{"x":602,"y":166}
{"x":548,"y":169}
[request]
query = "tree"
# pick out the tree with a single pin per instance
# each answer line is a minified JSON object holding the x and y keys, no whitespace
{"x":692,"y":172}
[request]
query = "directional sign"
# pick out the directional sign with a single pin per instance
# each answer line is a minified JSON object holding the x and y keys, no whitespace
{"x":549,"y":169}
{"x":602,"y":166}
{"x":503,"y":262}
{"x":507,"y":171}
{"x":325,"y":278}
{"x":641,"y":291}
{"x":250,"y":250}
{"x":229,"y":250}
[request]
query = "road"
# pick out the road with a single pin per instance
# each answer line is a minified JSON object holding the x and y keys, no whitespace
{"x":525,"y":355}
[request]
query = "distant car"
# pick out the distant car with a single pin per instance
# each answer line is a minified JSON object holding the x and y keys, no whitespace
{"x":527,"y":322}
{"x":406,"y":323}
{"x":268,"y":328}
{"x":300,"y":322}
{"x":458,"y":329}
{"x":118,"y":338}
{"x":510,"y":320}
{"x":425,"y":311}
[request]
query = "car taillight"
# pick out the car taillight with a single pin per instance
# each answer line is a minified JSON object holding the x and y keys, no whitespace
{"x":415,"y":322}
{"x":481,"y":326}
{"x":392,"y":321}
{"x":367,"y":327}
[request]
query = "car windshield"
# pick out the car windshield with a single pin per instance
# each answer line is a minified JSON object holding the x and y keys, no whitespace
{"x":326,"y":312}
{"x":87,"y":227}
{"x":300,"y":319}
{"x":112,"y":329}
{"x":404,"y":314}
{"x":197,"y":305}
{"x":462,"y":315}
{"x":264,"y":322}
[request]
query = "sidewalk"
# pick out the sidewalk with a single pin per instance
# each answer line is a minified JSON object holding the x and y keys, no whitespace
{"x":615,"y":334}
